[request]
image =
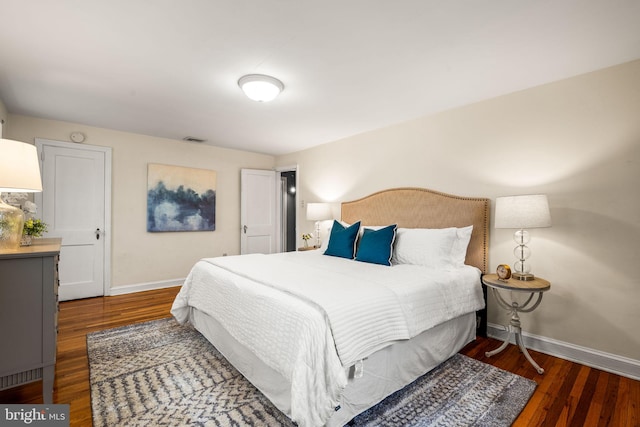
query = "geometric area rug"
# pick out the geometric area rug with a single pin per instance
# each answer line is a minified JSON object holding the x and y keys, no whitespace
{"x":160,"y":373}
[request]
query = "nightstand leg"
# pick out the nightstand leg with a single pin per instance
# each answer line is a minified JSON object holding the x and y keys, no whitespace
{"x":504,"y":345}
{"x":526,"y":353}
{"x":515,"y":326}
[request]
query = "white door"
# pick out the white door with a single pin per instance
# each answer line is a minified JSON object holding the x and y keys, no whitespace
{"x":258,"y":211}
{"x":75,"y":204}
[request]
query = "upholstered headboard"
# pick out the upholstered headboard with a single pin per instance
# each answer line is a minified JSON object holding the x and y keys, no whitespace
{"x":422,"y":208}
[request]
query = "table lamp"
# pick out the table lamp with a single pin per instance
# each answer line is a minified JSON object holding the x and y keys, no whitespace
{"x":19,"y":172}
{"x":520,"y":212}
{"x":318,"y":212}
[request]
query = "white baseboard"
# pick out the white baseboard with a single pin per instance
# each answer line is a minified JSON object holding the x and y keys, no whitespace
{"x":613,"y":363}
{"x":139,"y":287}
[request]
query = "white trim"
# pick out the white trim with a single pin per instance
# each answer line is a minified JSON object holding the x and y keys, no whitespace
{"x":278,"y":203}
{"x":291,"y":168}
{"x":141,"y":287}
{"x":39,"y":142}
{"x":609,"y":362}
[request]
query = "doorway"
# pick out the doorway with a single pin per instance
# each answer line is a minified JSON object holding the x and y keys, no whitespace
{"x":75,"y":204}
{"x":268,"y":210}
{"x":288,"y":209}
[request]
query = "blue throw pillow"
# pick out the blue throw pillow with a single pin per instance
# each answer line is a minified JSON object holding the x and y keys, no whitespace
{"x":376,"y":246}
{"x":342,"y":241}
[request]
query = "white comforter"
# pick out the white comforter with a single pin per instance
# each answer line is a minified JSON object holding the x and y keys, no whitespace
{"x":319,"y":314}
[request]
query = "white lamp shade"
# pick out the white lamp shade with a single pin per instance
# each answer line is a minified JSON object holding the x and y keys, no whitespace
{"x":527,"y":211}
{"x":318,"y":211}
{"x":19,"y":167}
{"x":261,"y":88}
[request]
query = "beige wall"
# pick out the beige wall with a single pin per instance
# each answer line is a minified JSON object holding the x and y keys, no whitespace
{"x":577,"y":140}
{"x":139,"y":257}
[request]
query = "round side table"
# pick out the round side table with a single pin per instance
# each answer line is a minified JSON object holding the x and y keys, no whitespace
{"x":535,"y":287}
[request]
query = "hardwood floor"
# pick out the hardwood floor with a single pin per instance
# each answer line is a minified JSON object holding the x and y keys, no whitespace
{"x":568,"y":394}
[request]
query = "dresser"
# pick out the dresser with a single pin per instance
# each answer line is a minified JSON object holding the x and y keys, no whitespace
{"x":29,"y":315}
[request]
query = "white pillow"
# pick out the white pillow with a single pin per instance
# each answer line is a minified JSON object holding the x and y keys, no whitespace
{"x":432,"y":247}
{"x":459,"y":251}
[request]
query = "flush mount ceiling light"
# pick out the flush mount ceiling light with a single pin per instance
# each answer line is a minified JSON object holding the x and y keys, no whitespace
{"x":260,"y":88}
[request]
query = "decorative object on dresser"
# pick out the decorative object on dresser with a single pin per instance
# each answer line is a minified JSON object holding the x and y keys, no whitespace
{"x":20,"y":173}
{"x":29,"y":304}
{"x":520,"y":212}
{"x":534,"y":287}
{"x":33,"y":228}
{"x":318,"y":212}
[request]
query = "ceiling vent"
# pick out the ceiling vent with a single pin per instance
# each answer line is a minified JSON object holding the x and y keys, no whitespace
{"x":193,"y":139}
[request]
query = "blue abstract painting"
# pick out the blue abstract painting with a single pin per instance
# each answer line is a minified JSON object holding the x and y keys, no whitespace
{"x":180,"y":198}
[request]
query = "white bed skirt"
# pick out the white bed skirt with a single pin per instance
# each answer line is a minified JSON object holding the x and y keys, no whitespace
{"x":385,"y":371}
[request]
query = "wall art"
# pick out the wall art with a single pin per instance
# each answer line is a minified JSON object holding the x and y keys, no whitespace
{"x":180,"y":198}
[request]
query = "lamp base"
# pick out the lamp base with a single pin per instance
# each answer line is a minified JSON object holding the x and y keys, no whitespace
{"x":317,"y":234}
{"x":11,"y":223}
{"x":525,"y":277}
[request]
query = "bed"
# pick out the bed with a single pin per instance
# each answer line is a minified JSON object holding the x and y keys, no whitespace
{"x":326,"y":337}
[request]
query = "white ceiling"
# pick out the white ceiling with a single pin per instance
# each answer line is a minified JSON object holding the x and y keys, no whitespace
{"x":170,"y":68}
